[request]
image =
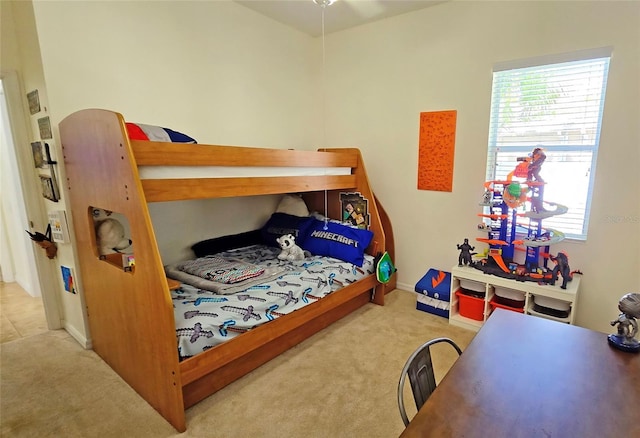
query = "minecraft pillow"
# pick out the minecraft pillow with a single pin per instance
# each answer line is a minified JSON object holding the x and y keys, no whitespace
{"x":337,"y":240}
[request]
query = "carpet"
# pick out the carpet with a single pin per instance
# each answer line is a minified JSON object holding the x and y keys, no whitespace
{"x":341,"y":382}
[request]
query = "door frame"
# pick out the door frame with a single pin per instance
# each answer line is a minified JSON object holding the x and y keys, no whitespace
{"x":45,"y":272}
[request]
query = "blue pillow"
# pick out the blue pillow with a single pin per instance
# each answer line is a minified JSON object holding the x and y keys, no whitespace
{"x":283,"y":223}
{"x":338,"y":241}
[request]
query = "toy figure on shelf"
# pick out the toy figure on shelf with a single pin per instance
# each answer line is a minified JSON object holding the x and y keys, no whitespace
{"x":625,"y":340}
{"x":562,"y":266}
{"x":529,"y":166}
{"x":535,"y":164}
{"x":465,"y":253}
{"x":486,"y":197}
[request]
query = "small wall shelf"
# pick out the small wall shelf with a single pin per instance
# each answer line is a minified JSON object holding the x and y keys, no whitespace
{"x":529,"y":288}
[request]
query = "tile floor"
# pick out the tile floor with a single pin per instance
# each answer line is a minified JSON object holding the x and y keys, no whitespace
{"x":21,"y":315}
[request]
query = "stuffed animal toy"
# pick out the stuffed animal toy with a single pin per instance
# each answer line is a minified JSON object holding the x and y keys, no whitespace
{"x":110,"y":236}
{"x":290,"y":251}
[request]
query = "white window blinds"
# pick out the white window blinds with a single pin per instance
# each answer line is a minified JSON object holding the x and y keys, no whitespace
{"x":557,"y":107}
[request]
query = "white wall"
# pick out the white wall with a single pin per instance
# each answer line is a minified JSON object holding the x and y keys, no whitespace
{"x":382,"y":75}
{"x":215,"y":70}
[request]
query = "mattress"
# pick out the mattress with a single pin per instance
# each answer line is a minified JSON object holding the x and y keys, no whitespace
{"x":205,"y":319}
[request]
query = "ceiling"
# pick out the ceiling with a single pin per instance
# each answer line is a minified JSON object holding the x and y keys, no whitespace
{"x":306,"y":16}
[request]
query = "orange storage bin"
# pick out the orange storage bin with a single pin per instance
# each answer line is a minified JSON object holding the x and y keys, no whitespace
{"x":470,"y":307}
{"x":495,"y":305}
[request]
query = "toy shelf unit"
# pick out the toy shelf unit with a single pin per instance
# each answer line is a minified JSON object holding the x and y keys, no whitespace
{"x":514,"y":272}
{"x":490,"y":292}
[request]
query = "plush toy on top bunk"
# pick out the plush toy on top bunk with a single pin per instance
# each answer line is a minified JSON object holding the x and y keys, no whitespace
{"x":290,"y":251}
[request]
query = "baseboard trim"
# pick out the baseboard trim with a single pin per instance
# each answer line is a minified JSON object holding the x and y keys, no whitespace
{"x":405,"y":287}
{"x":79,"y":337}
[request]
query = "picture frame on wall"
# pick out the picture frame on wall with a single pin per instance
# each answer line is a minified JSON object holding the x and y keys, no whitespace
{"x":48,"y":188}
{"x":44,"y":125}
{"x":68,"y":279}
{"x":355,"y":209}
{"x":38,"y":155}
{"x":34,"y":102}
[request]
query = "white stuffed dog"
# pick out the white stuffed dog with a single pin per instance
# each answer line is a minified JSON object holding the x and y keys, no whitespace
{"x":110,"y":236}
{"x":290,"y":251}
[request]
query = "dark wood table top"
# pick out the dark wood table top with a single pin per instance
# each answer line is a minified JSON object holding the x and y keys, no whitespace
{"x":524,"y":376}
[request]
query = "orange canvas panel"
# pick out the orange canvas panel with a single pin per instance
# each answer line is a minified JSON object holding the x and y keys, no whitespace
{"x":436,"y":150}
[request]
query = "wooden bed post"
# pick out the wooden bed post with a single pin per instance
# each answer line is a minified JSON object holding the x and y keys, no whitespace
{"x":130,"y":313}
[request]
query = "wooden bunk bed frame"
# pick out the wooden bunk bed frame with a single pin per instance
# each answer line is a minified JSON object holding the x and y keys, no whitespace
{"x":130,"y":313}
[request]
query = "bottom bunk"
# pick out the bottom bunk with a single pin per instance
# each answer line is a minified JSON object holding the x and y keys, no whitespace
{"x":269,"y":288}
{"x":237,"y":308}
{"x":210,"y":371}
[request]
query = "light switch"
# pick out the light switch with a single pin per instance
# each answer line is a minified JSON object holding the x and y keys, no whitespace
{"x":59,"y":229}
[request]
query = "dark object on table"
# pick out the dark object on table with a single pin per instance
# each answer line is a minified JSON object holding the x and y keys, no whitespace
{"x":625,"y":340}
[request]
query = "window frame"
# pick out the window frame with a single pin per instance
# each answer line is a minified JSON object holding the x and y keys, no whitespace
{"x":551,"y":149}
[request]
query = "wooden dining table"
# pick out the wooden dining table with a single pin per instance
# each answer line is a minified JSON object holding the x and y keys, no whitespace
{"x":525,"y":376}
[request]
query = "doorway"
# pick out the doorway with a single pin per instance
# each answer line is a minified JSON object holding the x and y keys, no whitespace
{"x":20,"y":205}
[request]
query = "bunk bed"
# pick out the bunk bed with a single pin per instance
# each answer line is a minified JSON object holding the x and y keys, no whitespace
{"x":130,"y":310}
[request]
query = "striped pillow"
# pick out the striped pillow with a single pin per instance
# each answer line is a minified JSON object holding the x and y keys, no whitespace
{"x":139,"y":131}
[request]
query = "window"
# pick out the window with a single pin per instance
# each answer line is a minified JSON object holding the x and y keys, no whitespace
{"x":555,"y":104}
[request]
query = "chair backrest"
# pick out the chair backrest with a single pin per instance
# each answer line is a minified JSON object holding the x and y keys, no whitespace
{"x":419,"y":369}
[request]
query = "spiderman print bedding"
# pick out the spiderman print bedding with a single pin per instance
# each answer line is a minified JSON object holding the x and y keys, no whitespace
{"x":205,"y":318}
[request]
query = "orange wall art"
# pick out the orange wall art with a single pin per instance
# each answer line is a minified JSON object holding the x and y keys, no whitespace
{"x":436,"y":150}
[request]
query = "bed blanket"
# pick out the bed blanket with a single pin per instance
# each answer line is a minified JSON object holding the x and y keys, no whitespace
{"x":212,"y":284}
{"x":205,"y":319}
{"x":221,"y":270}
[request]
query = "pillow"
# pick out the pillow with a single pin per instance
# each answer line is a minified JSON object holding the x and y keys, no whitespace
{"x":339,"y":241}
{"x":138,"y":131}
{"x":292,"y":204}
{"x":283,"y":223}
{"x":225,"y":243}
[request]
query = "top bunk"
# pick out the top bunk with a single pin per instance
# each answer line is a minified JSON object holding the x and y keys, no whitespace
{"x":184,"y":171}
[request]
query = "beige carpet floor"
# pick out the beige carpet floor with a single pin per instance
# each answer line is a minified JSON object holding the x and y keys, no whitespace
{"x":341,"y":382}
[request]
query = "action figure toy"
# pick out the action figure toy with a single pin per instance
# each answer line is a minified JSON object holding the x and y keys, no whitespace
{"x":535,"y":164}
{"x":562,"y":266}
{"x":465,"y":253}
{"x":625,"y":340}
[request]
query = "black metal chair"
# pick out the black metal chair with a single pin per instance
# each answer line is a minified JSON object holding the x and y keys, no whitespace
{"x":419,"y":368}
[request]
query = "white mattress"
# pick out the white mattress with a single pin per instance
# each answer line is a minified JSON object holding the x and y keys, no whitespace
{"x":187,"y":172}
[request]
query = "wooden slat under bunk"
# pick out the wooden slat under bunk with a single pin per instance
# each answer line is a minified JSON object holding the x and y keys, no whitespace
{"x":173,"y":154}
{"x":130,"y":313}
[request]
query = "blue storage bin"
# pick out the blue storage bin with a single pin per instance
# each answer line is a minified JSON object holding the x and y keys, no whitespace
{"x":434,"y":292}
